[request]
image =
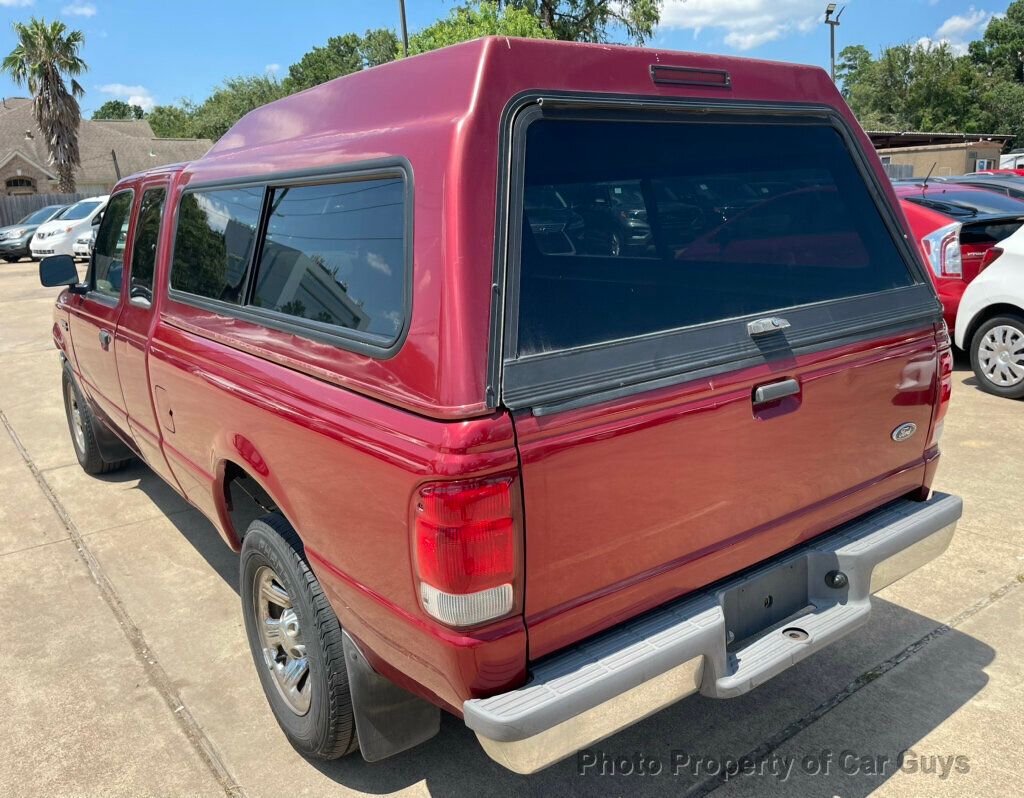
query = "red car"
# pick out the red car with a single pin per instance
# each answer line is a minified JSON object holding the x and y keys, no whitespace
{"x":474,"y":463}
{"x":958,"y":228}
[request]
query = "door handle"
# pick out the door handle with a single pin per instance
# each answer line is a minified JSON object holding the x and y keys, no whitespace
{"x":105,"y":339}
{"x":774,"y":391}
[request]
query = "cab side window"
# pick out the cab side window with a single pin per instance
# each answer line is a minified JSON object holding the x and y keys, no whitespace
{"x":147,"y":232}
{"x":108,"y":258}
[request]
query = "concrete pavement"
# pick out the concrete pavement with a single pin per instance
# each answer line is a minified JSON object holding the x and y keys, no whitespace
{"x":124,"y":668}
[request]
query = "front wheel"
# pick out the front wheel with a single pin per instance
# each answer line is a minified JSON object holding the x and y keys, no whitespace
{"x":997,"y":356}
{"x":296,"y":642}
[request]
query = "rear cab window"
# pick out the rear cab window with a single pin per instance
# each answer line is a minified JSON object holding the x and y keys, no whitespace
{"x":144,"y":247}
{"x":640,"y":247}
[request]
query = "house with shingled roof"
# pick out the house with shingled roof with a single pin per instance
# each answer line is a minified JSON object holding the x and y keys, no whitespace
{"x":110,"y":149}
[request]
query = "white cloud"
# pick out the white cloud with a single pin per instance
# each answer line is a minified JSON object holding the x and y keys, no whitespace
{"x":272,"y":69}
{"x":959,"y":29}
{"x":747,"y":24}
{"x":80,"y":10}
{"x":133,"y":95}
{"x":9,"y":3}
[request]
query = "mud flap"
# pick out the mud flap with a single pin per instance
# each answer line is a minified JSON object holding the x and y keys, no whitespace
{"x":389,"y":720}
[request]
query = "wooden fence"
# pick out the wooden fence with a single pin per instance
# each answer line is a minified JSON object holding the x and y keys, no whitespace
{"x":14,"y":209}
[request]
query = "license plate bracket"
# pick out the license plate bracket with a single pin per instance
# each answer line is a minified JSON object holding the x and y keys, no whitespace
{"x":770,"y":597}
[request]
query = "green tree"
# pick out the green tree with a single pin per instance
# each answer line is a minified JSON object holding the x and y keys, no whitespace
{"x":1000,"y":51}
{"x":117,"y":109}
{"x":474,"y":20}
{"x":591,"y":20}
{"x":172,"y":121}
{"x":913,"y":87}
{"x":852,"y":66}
{"x":46,"y":52}
{"x":378,"y":46}
{"x":232,"y":100}
{"x":340,"y":56}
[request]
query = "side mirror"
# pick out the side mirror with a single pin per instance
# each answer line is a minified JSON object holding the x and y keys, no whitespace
{"x":96,"y":220}
{"x":58,"y":270}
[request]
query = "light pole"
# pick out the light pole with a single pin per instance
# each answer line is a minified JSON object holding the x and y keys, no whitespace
{"x":830,"y":9}
{"x":405,"y":30}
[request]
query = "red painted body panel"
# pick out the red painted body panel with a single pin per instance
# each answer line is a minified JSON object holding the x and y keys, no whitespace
{"x":688,"y":477}
{"x":673,"y":488}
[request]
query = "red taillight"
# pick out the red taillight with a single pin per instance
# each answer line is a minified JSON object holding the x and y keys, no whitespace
{"x":991,"y":254}
{"x":465,"y":540}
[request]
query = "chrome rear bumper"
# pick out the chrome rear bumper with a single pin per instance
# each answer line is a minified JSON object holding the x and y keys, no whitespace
{"x":589,"y":692}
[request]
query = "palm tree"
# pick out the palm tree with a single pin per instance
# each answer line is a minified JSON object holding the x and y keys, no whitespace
{"x":46,"y":52}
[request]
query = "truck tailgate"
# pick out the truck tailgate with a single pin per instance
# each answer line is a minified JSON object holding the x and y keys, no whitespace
{"x":630,"y":504}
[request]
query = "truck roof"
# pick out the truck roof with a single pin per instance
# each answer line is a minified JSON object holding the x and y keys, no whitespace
{"x":439,"y":118}
{"x":436,"y":91}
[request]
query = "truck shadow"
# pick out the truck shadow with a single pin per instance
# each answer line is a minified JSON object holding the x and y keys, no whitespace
{"x":866,"y":701}
{"x":190,"y":523}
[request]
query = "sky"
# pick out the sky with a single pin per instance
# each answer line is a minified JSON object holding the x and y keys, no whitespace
{"x":158,"y":51}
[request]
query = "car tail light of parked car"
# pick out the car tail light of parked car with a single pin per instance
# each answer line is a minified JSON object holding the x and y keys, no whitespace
{"x":942,"y":247}
{"x":466,"y":550}
{"x":990,"y":256}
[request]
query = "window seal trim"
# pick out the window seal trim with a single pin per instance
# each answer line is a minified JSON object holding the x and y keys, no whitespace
{"x":528,"y":106}
{"x":356,"y":341}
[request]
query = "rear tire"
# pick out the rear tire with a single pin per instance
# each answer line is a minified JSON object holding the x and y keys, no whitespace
{"x":997,"y":356}
{"x":82,"y":426}
{"x":287,"y":620}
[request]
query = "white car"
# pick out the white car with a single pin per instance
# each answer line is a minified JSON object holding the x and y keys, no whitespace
{"x":990,"y":320}
{"x":84,"y":243}
{"x":58,"y":237}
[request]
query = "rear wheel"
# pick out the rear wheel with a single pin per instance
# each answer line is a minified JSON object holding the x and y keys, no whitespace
{"x":10,"y":259}
{"x":82,"y":425}
{"x":296,"y":642}
{"x":997,"y":356}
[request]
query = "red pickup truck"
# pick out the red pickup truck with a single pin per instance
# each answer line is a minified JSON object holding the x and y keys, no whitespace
{"x":540,"y":383}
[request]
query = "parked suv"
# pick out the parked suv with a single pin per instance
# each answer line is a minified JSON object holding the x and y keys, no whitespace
{"x":472,"y":467}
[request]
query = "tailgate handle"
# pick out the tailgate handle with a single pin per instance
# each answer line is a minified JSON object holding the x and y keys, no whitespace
{"x":775,"y":390}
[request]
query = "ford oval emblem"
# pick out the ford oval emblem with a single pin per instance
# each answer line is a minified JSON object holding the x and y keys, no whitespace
{"x":904,"y":431}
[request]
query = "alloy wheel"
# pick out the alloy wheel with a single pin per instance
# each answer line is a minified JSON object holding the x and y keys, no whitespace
{"x":77,"y":422}
{"x":284,"y":651}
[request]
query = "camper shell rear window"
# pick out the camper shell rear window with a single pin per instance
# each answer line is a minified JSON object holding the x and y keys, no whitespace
{"x":629,"y":233}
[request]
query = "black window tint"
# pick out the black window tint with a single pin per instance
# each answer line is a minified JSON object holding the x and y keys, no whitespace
{"x":147,"y":231}
{"x":214,"y":241}
{"x":335,"y":254}
{"x":108,"y":261}
{"x":632,"y":227}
